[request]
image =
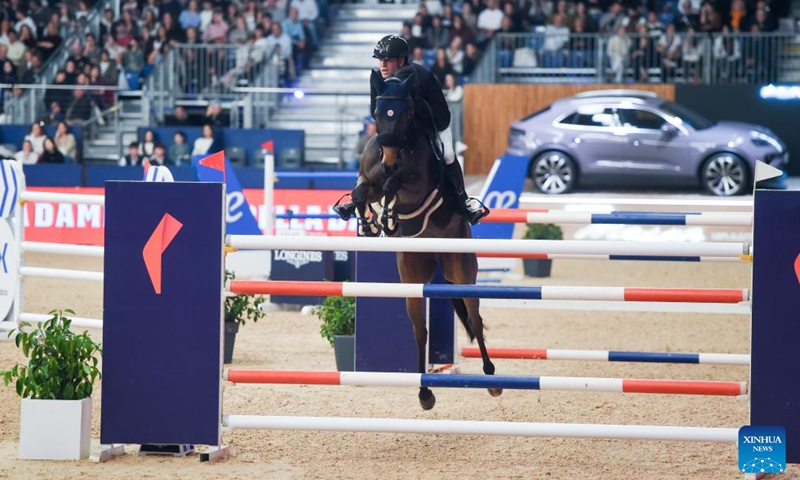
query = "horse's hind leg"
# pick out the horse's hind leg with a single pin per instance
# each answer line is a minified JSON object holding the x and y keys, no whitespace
{"x":463,"y":269}
{"x":475,"y":322}
{"x":416,"y":312}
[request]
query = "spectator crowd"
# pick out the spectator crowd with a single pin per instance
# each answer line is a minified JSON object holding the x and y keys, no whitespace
{"x":642,"y":40}
{"x":126,"y":48}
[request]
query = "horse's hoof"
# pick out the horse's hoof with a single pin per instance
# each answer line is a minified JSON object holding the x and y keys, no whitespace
{"x":495,"y":392}
{"x":427,"y":399}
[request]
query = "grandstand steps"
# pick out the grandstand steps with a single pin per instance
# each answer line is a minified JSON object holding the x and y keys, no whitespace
{"x":353,"y":38}
{"x":345,"y":50}
{"x":329,"y":75}
{"x":104,"y":148}
{"x":302,"y":115}
{"x":328,"y":142}
{"x":345,"y":62}
{"x":353,"y":13}
{"x":315,"y":101}
{"x":318,"y":127}
{"x":111,"y":140}
{"x":790,"y":77}
{"x":351,"y":88}
{"x":377,"y":27}
{"x":342,"y":64}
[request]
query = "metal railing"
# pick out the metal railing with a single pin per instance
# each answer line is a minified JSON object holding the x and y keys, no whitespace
{"x":343,"y":107}
{"x":27,"y":105}
{"x":207,"y":72}
{"x":20,"y":107}
{"x":637,"y":58}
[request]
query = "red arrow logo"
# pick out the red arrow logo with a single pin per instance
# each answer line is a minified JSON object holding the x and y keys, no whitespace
{"x":797,"y":267}
{"x":153,"y":250}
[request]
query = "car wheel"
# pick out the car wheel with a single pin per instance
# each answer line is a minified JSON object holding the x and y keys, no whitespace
{"x":554,"y":172}
{"x":725,"y":174}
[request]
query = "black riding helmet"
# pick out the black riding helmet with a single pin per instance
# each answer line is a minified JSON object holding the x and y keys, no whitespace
{"x":391,"y":46}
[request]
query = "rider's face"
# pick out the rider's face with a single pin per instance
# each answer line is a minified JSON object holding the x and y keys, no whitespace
{"x":388,"y":66}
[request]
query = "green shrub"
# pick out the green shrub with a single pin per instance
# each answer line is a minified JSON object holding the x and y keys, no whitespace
{"x":62,"y":365}
{"x":338,"y":316}
{"x":240,"y":308}
{"x":543,"y":231}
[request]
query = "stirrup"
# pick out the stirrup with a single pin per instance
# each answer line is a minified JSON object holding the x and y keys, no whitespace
{"x":474,"y":215}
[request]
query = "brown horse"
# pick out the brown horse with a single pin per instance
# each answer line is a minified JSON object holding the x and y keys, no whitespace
{"x":399,"y":192}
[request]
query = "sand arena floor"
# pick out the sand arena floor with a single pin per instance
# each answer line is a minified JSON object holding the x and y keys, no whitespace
{"x":288,"y":340}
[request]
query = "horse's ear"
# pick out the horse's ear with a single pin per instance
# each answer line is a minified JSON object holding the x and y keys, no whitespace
{"x":408,"y":82}
{"x":376,"y":80}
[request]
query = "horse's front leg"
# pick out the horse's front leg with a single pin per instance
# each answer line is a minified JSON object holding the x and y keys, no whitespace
{"x":389,"y":215}
{"x":418,"y":268}
{"x":366,"y":225}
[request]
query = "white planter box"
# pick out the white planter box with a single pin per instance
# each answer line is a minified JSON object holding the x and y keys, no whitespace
{"x":55,"y":429}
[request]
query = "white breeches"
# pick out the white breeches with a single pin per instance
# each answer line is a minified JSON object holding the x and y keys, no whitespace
{"x":447,"y":139}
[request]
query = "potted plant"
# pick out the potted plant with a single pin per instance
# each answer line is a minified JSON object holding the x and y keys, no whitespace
{"x":535,"y":267}
{"x":56,"y":389}
{"x":338,"y":317}
{"x":239,"y":309}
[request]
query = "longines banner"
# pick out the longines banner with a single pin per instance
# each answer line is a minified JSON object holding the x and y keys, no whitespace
{"x":83,"y":224}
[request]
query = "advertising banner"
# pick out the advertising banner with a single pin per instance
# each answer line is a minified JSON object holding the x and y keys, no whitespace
{"x":83,"y":224}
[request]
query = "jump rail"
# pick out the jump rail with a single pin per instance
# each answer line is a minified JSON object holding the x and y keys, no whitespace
{"x":610,"y":356}
{"x":465,"y":427}
{"x":62,"y":249}
{"x":31,"y":196}
{"x":461,"y":245}
{"x":643,"y":258}
{"x":60,"y":273}
{"x":582,"y":384}
{"x":41,"y":317}
{"x":419,"y":290}
{"x":621,"y":218}
{"x":504,"y":215}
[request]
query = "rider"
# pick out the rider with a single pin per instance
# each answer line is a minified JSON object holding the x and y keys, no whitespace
{"x":392,"y":53}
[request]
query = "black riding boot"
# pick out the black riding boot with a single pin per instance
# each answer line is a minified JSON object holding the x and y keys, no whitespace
{"x":456,"y":180}
{"x":345,"y":210}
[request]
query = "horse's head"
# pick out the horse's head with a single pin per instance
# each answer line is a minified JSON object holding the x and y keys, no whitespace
{"x":394,"y":115}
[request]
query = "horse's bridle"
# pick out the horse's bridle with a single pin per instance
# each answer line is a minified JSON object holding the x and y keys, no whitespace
{"x":403,"y":141}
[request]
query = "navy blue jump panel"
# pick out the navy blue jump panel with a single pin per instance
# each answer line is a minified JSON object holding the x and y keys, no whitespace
{"x":162,"y":297}
{"x":775,"y":394}
{"x":384,"y":335}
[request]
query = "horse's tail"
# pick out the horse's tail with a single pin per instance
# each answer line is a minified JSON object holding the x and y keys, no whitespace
{"x":461,"y":311}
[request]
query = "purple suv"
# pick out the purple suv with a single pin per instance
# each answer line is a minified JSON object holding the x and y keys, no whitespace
{"x":633,"y":138}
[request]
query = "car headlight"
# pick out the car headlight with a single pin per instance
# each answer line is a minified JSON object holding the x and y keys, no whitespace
{"x":763,"y":140}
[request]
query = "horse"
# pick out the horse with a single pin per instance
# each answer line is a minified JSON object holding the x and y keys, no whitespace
{"x":399,"y":191}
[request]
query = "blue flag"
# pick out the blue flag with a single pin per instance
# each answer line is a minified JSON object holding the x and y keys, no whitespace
{"x":240,"y":219}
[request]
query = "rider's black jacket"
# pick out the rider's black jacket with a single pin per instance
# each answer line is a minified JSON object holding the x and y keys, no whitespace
{"x":426,"y":87}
